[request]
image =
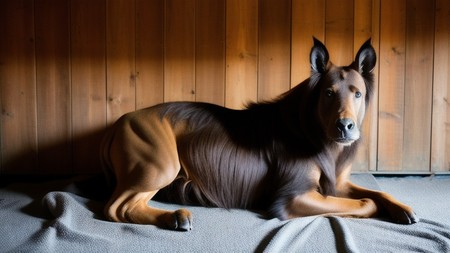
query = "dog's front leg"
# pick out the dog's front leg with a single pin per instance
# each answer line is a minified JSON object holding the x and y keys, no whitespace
{"x":387,"y":204}
{"x":314,"y":203}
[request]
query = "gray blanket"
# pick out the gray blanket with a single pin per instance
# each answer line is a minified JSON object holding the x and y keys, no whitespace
{"x":67,"y":217}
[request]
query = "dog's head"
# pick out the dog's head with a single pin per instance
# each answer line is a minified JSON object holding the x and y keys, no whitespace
{"x":344,"y":92}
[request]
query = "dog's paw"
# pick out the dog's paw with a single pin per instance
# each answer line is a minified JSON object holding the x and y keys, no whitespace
{"x":402,"y":214}
{"x":405,"y":217}
{"x":182,"y":220}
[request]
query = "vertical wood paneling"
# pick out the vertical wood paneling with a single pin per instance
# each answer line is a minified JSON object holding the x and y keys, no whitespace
{"x":372,"y":122}
{"x":17,"y":87}
{"x":274,"y":52}
{"x":241,"y":52}
{"x":308,"y":20}
{"x":367,"y":26}
{"x":418,"y":84}
{"x":179,"y":68}
{"x":210,"y":51}
{"x":120,"y":58}
{"x":53,"y":85}
{"x":149,"y":53}
{"x":88,"y":72}
{"x":391,"y":84}
{"x":362,"y":23}
{"x":373,"y":108}
{"x":339,"y":30}
{"x":69,"y":68}
{"x":440,"y":152}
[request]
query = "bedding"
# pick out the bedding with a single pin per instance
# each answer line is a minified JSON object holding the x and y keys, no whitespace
{"x":66,"y":216}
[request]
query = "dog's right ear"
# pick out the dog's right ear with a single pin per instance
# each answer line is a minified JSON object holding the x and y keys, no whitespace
{"x":319,"y":57}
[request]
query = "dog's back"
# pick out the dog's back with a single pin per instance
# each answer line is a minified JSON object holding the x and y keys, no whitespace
{"x":226,"y":156}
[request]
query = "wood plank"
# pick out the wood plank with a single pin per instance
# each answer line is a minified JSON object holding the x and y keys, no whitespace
{"x":440,"y":149}
{"x":149,"y":53}
{"x":418,"y":91}
{"x":53,"y":86}
{"x":242,"y":52}
{"x":308,"y":20}
{"x":179,"y":67}
{"x":210,"y":51}
{"x":391,"y":85}
{"x":339,"y":31}
{"x":120,"y":55}
{"x":364,"y":18}
{"x":17,"y":88}
{"x":367,"y":26}
{"x":274,"y":48}
{"x":88,"y":69}
{"x":372,"y":121}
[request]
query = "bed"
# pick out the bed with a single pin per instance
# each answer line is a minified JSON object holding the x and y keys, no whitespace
{"x":66,"y":216}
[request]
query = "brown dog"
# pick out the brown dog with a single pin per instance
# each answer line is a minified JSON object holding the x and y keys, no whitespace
{"x":290,"y":157}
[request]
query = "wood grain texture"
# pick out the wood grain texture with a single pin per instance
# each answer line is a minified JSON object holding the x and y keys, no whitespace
{"x":18,"y":88}
{"x":339,"y":25}
{"x":241,"y":52}
{"x":391,"y":85}
{"x":418,"y":85}
{"x":149,"y":53}
{"x":440,"y":149}
{"x":274,"y":51}
{"x":70,"y":68}
{"x":179,"y":62}
{"x":88,"y":78}
{"x":308,"y":21}
{"x":210,"y":51}
{"x":372,"y":122}
{"x":120,"y":58}
{"x":366,"y":25}
{"x":53,"y":82}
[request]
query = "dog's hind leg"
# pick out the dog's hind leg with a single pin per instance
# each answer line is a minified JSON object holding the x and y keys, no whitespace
{"x":142,"y":153}
{"x":132,"y":207}
{"x":129,"y":202}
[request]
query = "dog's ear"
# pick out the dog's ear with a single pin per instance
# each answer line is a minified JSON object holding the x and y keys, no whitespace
{"x":319,"y":57}
{"x":365,"y":59}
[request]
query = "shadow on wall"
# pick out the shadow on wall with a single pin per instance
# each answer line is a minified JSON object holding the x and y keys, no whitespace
{"x":75,"y":156}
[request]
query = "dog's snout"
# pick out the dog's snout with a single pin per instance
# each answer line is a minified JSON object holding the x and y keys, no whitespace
{"x":345,"y":125}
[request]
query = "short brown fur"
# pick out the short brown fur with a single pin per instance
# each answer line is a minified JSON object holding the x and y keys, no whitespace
{"x":290,"y":157}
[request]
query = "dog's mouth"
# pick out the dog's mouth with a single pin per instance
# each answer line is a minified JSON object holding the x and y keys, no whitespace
{"x":344,"y":141}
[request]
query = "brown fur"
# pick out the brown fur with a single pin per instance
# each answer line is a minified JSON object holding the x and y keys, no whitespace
{"x":291,"y":156}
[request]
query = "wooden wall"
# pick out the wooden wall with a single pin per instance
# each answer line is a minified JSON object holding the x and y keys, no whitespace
{"x":68,"y":68}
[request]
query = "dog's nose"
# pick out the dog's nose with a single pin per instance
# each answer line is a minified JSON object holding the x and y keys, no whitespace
{"x":345,"y":125}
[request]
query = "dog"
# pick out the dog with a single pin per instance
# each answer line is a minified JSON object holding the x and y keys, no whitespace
{"x":290,"y":157}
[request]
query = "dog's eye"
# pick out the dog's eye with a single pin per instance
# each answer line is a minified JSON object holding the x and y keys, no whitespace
{"x":358,"y":94}
{"x":329,"y":92}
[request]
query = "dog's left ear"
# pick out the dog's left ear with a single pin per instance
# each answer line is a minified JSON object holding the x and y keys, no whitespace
{"x":366,"y":58}
{"x":319,"y":57}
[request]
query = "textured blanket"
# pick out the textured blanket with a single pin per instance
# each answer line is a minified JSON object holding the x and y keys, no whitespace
{"x":67,"y":217}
